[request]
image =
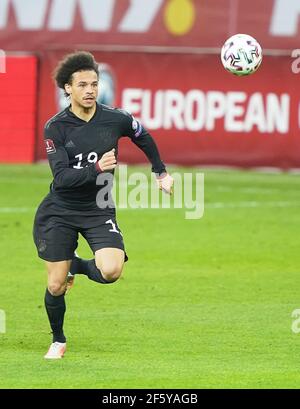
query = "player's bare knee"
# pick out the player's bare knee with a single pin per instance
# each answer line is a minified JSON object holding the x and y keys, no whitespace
{"x":56,"y":288}
{"x":111,"y":272}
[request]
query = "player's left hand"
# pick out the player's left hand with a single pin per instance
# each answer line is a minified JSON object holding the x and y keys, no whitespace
{"x":165,"y":183}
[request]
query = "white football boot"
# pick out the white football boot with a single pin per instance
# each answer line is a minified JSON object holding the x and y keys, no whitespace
{"x":56,"y":350}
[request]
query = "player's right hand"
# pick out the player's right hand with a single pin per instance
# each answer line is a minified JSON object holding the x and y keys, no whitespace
{"x":108,"y":161}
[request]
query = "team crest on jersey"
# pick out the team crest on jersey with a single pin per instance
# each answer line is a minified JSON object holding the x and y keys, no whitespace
{"x":50,"y":147}
{"x":137,"y":127}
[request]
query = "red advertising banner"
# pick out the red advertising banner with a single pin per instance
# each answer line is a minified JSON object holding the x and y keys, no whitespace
{"x":198,"y":113}
{"x":92,"y":24}
{"x":18,"y":82}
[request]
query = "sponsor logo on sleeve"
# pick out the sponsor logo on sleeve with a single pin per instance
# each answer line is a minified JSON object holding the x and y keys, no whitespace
{"x":50,"y":147}
{"x":137,"y":127}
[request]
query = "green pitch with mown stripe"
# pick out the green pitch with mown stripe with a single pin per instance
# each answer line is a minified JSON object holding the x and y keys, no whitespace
{"x":202,"y":303}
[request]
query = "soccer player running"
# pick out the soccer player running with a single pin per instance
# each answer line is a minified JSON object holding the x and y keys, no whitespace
{"x":82,"y":143}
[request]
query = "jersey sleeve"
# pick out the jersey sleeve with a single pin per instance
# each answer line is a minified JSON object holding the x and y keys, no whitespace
{"x":142,"y":138}
{"x":59,"y":161}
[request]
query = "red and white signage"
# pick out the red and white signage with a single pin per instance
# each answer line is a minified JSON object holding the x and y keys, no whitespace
{"x":59,"y":24}
{"x":18,"y":113}
{"x":197,"y":112}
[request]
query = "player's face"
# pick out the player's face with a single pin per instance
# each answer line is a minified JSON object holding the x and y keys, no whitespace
{"x":84,"y":89}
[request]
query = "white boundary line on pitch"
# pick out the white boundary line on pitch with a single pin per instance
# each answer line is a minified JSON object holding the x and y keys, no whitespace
{"x":234,"y":205}
{"x":213,"y":205}
{"x":17,"y":209}
{"x":144,"y":186}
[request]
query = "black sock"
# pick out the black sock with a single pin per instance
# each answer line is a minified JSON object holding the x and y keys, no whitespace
{"x":88,"y":268}
{"x":56,"y":308}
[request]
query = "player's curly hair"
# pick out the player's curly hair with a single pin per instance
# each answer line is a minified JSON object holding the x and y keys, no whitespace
{"x":78,"y":61}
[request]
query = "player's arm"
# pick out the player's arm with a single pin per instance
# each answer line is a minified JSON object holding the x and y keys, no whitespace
{"x":141,"y":138}
{"x":59,"y":162}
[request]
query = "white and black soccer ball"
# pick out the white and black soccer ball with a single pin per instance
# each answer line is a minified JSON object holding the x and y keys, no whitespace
{"x":241,"y":54}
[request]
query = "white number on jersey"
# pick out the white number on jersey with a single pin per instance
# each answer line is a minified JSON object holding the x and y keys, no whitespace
{"x":114,"y":229}
{"x":92,"y":158}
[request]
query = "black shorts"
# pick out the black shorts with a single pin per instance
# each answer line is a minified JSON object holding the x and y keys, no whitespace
{"x":56,"y":231}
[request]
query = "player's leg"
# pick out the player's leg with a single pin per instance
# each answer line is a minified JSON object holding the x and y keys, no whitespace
{"x":106,"y":241}
{"x":56,"y":240}
{"x":56,"y":306}
{"x":55,"y":297}
{"x":105,"y":268}
{"x":110,"y":261}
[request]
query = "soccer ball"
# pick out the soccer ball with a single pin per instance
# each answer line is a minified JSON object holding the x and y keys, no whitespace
{"x":241,"y":54}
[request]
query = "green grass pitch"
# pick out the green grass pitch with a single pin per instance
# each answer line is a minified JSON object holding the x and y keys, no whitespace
{"x":202,"y":303}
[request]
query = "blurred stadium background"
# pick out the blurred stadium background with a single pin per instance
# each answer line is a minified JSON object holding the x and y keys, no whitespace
{"x":205,"y":303}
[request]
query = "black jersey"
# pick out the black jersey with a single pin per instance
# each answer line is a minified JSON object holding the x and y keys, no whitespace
{"x":74,"y":147}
